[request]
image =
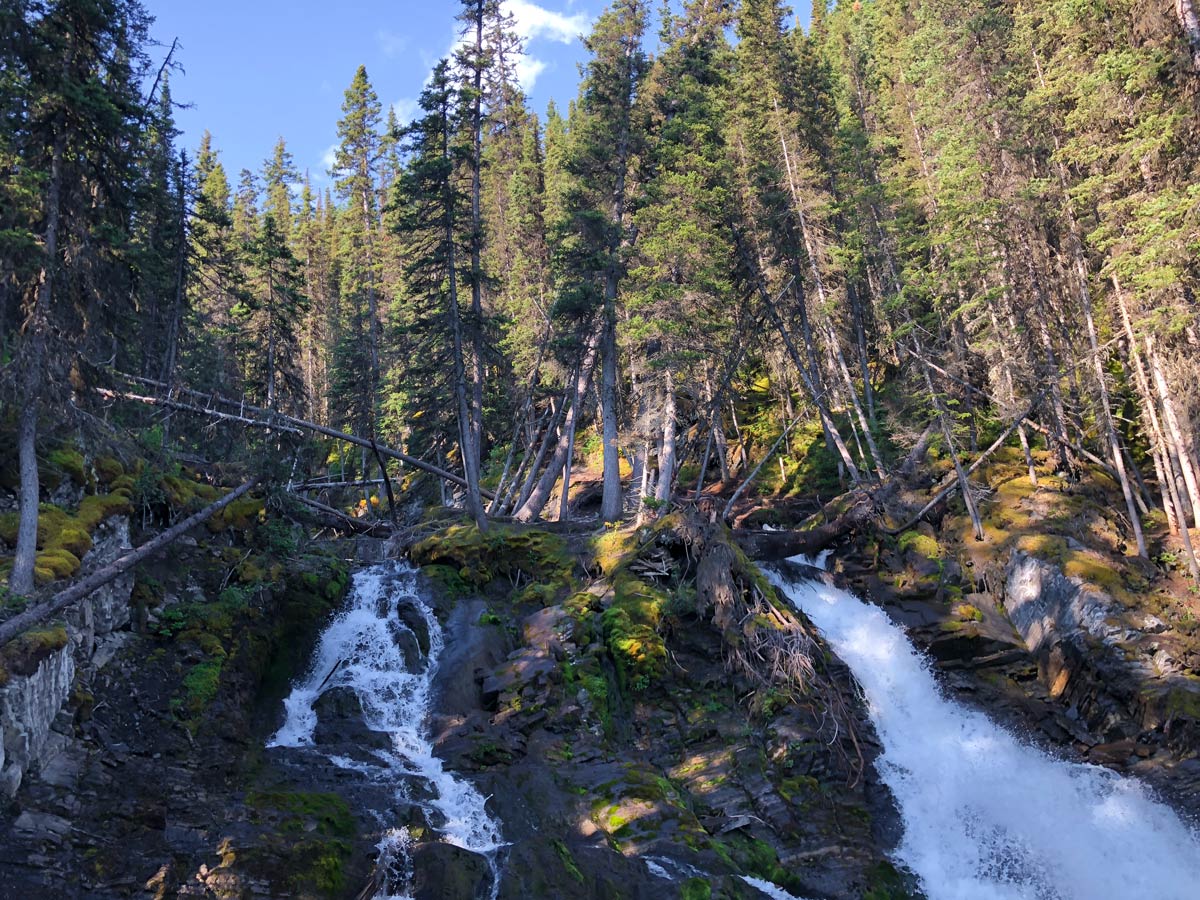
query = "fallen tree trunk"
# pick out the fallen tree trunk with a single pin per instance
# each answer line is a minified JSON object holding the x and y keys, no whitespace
{"x":341,"y":520}
{"x":770,"y":545}
{"x":281,"y":422}
{"x":102,"y":576}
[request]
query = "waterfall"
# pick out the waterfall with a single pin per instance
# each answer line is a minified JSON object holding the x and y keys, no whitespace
{"x":361,"y":650}
{"x":987,"y":816}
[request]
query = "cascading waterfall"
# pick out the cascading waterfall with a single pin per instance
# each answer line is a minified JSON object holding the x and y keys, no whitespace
{"x":986,"y":816}
{"x":360,"y":651}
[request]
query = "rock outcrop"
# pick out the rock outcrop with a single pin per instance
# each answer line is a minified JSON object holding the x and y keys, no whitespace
{"x":41,"y":665}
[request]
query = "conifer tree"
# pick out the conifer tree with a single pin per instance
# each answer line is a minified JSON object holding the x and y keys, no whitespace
{"x":432,"y":213}
{"x":355,"y":172}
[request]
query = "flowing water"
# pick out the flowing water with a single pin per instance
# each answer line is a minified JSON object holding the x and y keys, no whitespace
{"x":362,"y":650}
{"x":987,"y":816}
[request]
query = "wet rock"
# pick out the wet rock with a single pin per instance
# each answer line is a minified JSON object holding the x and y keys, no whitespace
{"x":340,"y":722}
{"x":446,"y":872}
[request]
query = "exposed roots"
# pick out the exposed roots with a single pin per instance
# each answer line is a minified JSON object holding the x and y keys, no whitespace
{"x":773,"y":646}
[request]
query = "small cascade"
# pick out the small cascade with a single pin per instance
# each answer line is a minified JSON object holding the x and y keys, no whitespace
{"x":987,"y":816}
{"x":366,"y":649}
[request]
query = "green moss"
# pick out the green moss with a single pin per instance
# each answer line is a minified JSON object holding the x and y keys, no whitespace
{"x":124,"y":485}
{"x":96,"y":508}
{"x":921,"y":544}
{"x":328,"y":813}
{"x":59,"y":563}
{"x":1184,"y":702}
{"x":1048,"y":547}
{"x":517,"y":555}
{"x":201,"y":683}
{"x":448,"y":580}
{"x":631,"y":630}
{"x":1093,"y":570}
{"x":695,"y":889}
{"x":70,"y":461}
{"x":967,"y":611}
{"x":760,"y":859}
{"x":613,"y":547}
{"x":314,"y":829}
{"x":24,"y":653}
{"x":885,"y":883}
{"x":108,"y":469}
{"x":73,"y":538}
{"x":568,"y":861}
{"x":239,"y":515}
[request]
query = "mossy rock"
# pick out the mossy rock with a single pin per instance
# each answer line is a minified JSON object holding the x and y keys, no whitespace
{"x":921,"y":544}
{"x":201,"y":683}
{"x":108,"y":469}
{"x":313,"y":830}
{"x":239,"y":515}
{"x":59,"y":563}
{"x":75,"y":539}
{"x":24,"y":653}
{"x":69,"y":461}
{"x":96,"y":508}
{"x":969,"y":612}
{"x":501,"y":552}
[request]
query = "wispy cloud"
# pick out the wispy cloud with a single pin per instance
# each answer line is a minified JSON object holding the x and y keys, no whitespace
{"x":528,"y":70}
{"x":406,"y":109}
{"x":329,"y":157}
{"x":390,"y":43}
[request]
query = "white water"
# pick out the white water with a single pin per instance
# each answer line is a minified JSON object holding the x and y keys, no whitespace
{"x":361,"y":643}
{"x":986,"y":816}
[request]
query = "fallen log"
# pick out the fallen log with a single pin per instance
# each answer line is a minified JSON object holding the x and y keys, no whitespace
{"x":341,"y":520}
{"x":281,"y":422}
{"x":102,"y":576}
{"x":771,"y":545}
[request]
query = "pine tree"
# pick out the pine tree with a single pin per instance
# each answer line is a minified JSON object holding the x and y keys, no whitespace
{"x":432,"y":213}
{"x":270,"y":316}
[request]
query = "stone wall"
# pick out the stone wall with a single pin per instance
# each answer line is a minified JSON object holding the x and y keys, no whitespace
{"x":30,"y":703}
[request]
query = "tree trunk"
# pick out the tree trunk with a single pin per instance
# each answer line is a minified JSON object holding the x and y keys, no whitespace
{"x":547,"y":439}
{"x":287,"y":424}
{"x":666,"y":459}
{"x":101,"y":577}
{"x":963,"y":481}
{"x":741,"y":489}
{"x":532,"y":507}
{"x":1174,"y":432}
{"x":564,"y":505}
{"x":1189,"y":21}
{"x":466,"y":431}
{"x":1109,"y":426}
{"x":33,"y":377}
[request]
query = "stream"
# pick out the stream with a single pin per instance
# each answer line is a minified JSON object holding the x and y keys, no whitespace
{"x":370,"y":650}
{"x":987,"y":816}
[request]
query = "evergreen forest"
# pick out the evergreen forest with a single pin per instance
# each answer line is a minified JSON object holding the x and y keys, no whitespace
{"x":921,"y":279}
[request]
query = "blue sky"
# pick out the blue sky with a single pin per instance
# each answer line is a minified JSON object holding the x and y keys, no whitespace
{"x":256,"y":70}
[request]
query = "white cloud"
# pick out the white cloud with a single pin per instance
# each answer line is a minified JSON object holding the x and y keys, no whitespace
{"x":390,"y":43}
{"x":528,"y":70}
{"x":535,"y":21}
{"x":406,"y":109}
{"x":329,"y":157}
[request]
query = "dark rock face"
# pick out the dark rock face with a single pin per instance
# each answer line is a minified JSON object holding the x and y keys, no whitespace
{"x":595,"y":796}
{"x":603,"y":789}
